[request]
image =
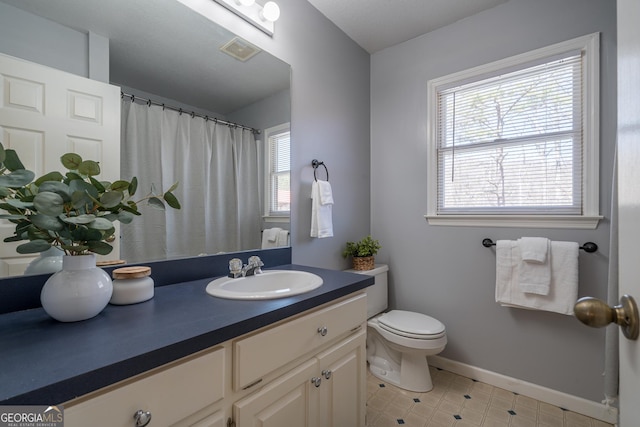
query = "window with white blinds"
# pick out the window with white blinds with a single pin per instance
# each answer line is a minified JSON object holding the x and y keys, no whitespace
{"x":279,"y":170}
{"x":512,"y":138}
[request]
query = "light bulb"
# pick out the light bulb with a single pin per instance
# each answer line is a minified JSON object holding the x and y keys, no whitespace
{"x":245,"y":2}
{"x":270,"y":12}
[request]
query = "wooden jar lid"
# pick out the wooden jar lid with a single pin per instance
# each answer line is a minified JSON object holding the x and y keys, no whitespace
{"x":131,"y":272}
{"x":110,"y":262}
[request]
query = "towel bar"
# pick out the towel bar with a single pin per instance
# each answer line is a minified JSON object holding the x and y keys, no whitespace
{"x":587,"y":247}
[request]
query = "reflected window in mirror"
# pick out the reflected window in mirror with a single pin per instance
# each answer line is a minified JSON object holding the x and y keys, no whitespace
{"x":278,"y":193}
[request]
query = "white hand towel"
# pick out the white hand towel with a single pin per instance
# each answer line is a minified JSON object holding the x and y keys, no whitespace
{"x":563,"y":291}
{"x":321,"y":220}
{"x":534,"y":270}
{"x":505,"y":273}
{"x":272,"y":233}
{"x":283,"y":238}
{"x":269,"y":237}
{"x":326,"y":194}
{"x":534,"y":249}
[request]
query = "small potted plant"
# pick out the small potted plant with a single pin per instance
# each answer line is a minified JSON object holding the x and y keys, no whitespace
{"x":73,"y":212}
{"x":362,"y":252}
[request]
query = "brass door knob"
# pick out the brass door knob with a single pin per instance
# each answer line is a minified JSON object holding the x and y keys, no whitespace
{"x":596,"y":313}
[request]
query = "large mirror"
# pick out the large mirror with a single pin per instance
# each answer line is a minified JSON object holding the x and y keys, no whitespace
{"x":162,"y":51}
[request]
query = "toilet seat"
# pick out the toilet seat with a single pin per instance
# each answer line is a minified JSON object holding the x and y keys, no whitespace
{"x":411,"y":325}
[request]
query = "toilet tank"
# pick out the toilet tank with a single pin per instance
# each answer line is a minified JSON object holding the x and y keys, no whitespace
{"x":377,"y":294}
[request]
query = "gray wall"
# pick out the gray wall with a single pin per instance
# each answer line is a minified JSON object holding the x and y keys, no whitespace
{"x":442,"y":271}
{"x":50,"y":45}
{"x":330,"y":107}
{"x":272,"y":111}
{"x":445,"y":271}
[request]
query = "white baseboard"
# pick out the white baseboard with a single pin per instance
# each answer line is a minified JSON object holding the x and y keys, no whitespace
{"x":582,"y":406}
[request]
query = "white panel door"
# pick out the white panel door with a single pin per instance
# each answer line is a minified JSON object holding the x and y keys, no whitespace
{"x":629,"y":196}
{"x":45,"y":113}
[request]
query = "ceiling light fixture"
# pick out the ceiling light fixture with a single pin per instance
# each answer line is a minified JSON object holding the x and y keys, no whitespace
{"x":261,"y":17}
{"x":270,"y":11}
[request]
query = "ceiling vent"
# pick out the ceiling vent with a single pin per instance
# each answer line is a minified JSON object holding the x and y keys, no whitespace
{"x":240,"y":49}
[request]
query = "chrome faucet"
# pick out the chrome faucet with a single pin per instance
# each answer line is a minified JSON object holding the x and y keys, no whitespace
{"x":237,"y":269}
{"x":252,"y":267}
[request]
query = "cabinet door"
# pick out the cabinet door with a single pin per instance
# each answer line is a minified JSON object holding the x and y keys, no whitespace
{"x":343,"y":390}
{"x":291,"y":400}
{"x":214,"y":420}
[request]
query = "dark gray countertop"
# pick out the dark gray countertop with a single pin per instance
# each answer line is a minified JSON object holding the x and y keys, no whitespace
{"x":46,"y":362}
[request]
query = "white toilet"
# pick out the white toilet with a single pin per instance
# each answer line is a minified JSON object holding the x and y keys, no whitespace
{"x":398,"y":342}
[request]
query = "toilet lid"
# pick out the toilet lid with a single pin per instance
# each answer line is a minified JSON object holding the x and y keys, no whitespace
{"x":411,"y":325}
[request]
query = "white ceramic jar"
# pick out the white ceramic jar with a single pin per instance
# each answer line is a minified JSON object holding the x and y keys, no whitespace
{"x":131,"y":285}
{"x":77,"y":292}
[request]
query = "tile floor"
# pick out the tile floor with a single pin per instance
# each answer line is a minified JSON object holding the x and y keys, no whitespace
{"x":462,"y":402}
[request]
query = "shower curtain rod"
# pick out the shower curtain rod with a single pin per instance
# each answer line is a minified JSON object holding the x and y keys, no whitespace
{"x":193,"y":114}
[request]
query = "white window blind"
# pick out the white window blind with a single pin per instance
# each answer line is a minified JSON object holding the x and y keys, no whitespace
{"x":513,"y":142}
{"x":279,"y":173}
{"x":509,"y":139}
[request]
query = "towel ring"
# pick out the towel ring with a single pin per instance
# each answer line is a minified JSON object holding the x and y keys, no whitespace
{"x":316,"y":163}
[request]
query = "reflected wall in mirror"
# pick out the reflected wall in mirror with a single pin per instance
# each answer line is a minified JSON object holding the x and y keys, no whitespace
{"x":165,"y":52}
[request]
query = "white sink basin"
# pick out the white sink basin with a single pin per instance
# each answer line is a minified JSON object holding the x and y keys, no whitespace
{"x":270,"y":284}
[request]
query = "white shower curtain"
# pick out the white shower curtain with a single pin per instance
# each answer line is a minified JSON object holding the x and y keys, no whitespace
{"x":217,"y":168}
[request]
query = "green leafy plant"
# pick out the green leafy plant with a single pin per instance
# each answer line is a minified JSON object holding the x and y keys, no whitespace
{"x":363,"y":248}
{"x":74,"y":211}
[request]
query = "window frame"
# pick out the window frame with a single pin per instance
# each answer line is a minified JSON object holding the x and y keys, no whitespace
{"x":589,"y":46}
{"x":269,"y":215}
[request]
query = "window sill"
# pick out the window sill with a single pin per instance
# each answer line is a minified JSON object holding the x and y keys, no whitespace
{"x":520,"y":221}
{"x":284,"y":219}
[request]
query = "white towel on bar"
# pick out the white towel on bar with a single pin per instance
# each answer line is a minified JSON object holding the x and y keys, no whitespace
{"x":283,"y":238}
{"x":534,"y":249}
{"x":563,"y":291}
{"x":321,"y":215}
{"x":274,"y":237}
{"x":269,"y":237}
{"x":326,"y":194}
{"x":535,"y":266}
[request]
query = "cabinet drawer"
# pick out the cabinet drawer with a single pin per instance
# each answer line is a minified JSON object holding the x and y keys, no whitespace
{"x":169,"y":394}
{"x":273,"y":348}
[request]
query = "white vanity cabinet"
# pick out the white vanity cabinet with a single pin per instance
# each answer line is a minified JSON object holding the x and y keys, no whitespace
{"x":168,"y":394}
{"x":305,"y":371}
{"x":325,"y":391}
{"x":327,"y":385}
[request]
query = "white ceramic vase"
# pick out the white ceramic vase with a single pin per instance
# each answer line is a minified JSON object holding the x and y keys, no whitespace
{"x":78,"y":292}
{"x":48,"y":261}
